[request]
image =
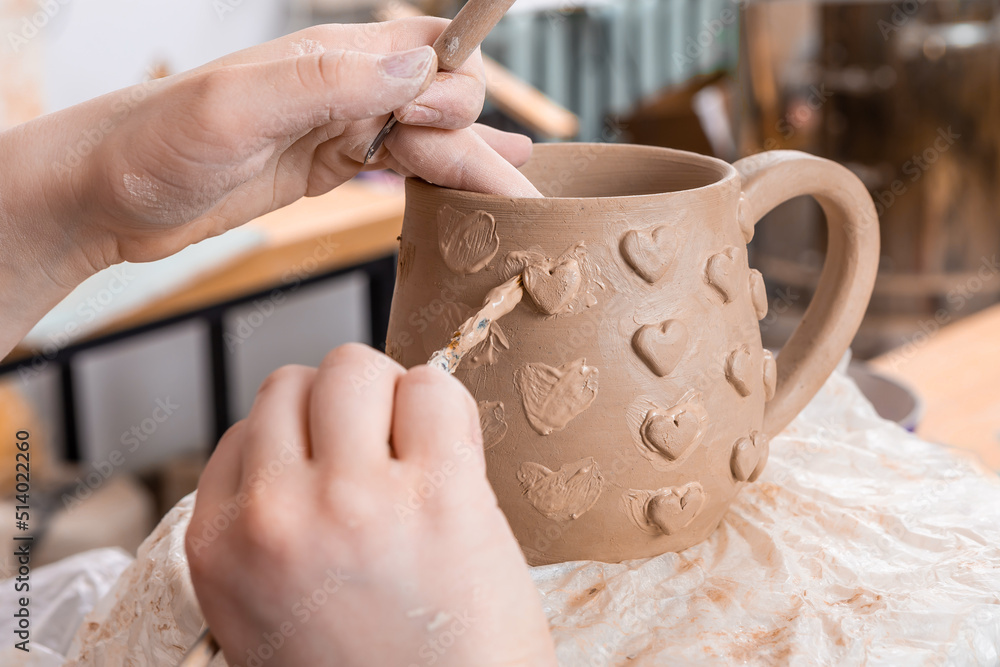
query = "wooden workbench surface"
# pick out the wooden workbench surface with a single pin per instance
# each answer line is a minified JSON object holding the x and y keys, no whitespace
{"x":357,"y":222}
{"x":956,"y":371}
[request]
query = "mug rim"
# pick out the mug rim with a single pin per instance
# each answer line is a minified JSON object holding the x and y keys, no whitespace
{"x":726,"y":173}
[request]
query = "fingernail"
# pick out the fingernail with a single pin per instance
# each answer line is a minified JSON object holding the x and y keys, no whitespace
{"x":410,"y":64}
{"x":416,"y":114}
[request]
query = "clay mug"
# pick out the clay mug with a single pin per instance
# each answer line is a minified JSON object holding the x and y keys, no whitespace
{"x":627,"y":399}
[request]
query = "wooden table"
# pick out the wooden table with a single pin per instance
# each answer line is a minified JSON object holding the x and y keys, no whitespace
{"x":956,"y":371}
{"x":356,"y":223}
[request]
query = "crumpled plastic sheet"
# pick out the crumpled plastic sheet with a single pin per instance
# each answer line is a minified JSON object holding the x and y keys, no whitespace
{"x":860,"y":545}
{"x":60,"y":594}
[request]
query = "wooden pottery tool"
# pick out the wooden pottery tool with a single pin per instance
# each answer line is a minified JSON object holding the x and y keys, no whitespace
{"x":463,"y":36}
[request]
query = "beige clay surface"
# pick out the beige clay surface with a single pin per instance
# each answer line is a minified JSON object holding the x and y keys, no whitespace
{"x":627,"y":399}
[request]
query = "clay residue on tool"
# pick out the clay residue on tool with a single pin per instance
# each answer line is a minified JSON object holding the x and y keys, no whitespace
{"x":553,"y":396}
{"x":468,"y":241}
{"x":564,"y":494}
{"x":561,"y":286}
{"x":492,"y":422}
{"x":648,"y":251}
{"x":485,"y":353}
{"x":664,"y":511}
{"x":500,"y":301}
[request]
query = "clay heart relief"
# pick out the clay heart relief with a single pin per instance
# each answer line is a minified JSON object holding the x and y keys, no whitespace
{"x":723,"y":273}
{"x":564,"y":494}
{"x":770,"y":371}
{"x":661,"y":345}
{"x":738,"y":369}
{"x":468,"y":241}
{"x":665,"y":511}
{"x":648,"y":252}
{"x":553,"y":396}
{"x":673,"y":431}
{"x":758,"y":294}
{"x":749,"y":457}
{"x":556,"y":286}
{"x":492,"y":423}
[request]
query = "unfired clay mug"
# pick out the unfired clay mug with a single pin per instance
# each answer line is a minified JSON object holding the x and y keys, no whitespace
{"x":627,"y":399}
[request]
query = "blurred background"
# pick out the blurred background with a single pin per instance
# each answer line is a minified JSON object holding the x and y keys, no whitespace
{"x":126,"y":385}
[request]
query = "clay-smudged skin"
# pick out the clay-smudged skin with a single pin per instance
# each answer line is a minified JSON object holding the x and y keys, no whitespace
{"x":625,"y":407}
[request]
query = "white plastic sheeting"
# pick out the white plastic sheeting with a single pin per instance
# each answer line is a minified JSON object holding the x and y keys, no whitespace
{"x":860,"y":544}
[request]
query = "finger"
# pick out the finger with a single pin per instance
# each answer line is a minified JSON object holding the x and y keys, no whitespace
{"x":459,"y":159}
{"x":276,"y":435}
{"x":452,"y":102}
{"x":515,"y":148}
{"x":294,"y":95}
{"x":220,"y":480}
{"x":435,"y":418}
{"x":351,"y":409}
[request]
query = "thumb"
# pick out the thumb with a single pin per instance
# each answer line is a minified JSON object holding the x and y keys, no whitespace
{"x":307,"y":91}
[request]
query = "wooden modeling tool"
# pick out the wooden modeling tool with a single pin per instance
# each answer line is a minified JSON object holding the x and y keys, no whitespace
{"x":201,"y":652}
{"x":500,"y":301}
{"x":463,"y":36}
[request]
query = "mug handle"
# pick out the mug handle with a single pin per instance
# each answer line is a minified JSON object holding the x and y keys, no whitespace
{"x":848,"y":276}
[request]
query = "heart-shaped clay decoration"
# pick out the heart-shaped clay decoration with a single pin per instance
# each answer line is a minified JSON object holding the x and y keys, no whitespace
{"x":552,"y":287}
{"x":723,"y":273}
{"x":649,"y":252}
{"x":749,"y":457}
{"x":492,"y":423}
{"x":661,"y":345}
{"x":564,"y":494}
{"x":673,"y":431}
{"x":467,"y":241}
{"x":738,"y":369}
{"x":758,"y":294}
{"x":672,"y":509}
{"x":770,"y":375}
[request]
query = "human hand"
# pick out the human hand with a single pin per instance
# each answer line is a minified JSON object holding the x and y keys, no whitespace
{"x":210,"y":149}
{"x":349,"y":521}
